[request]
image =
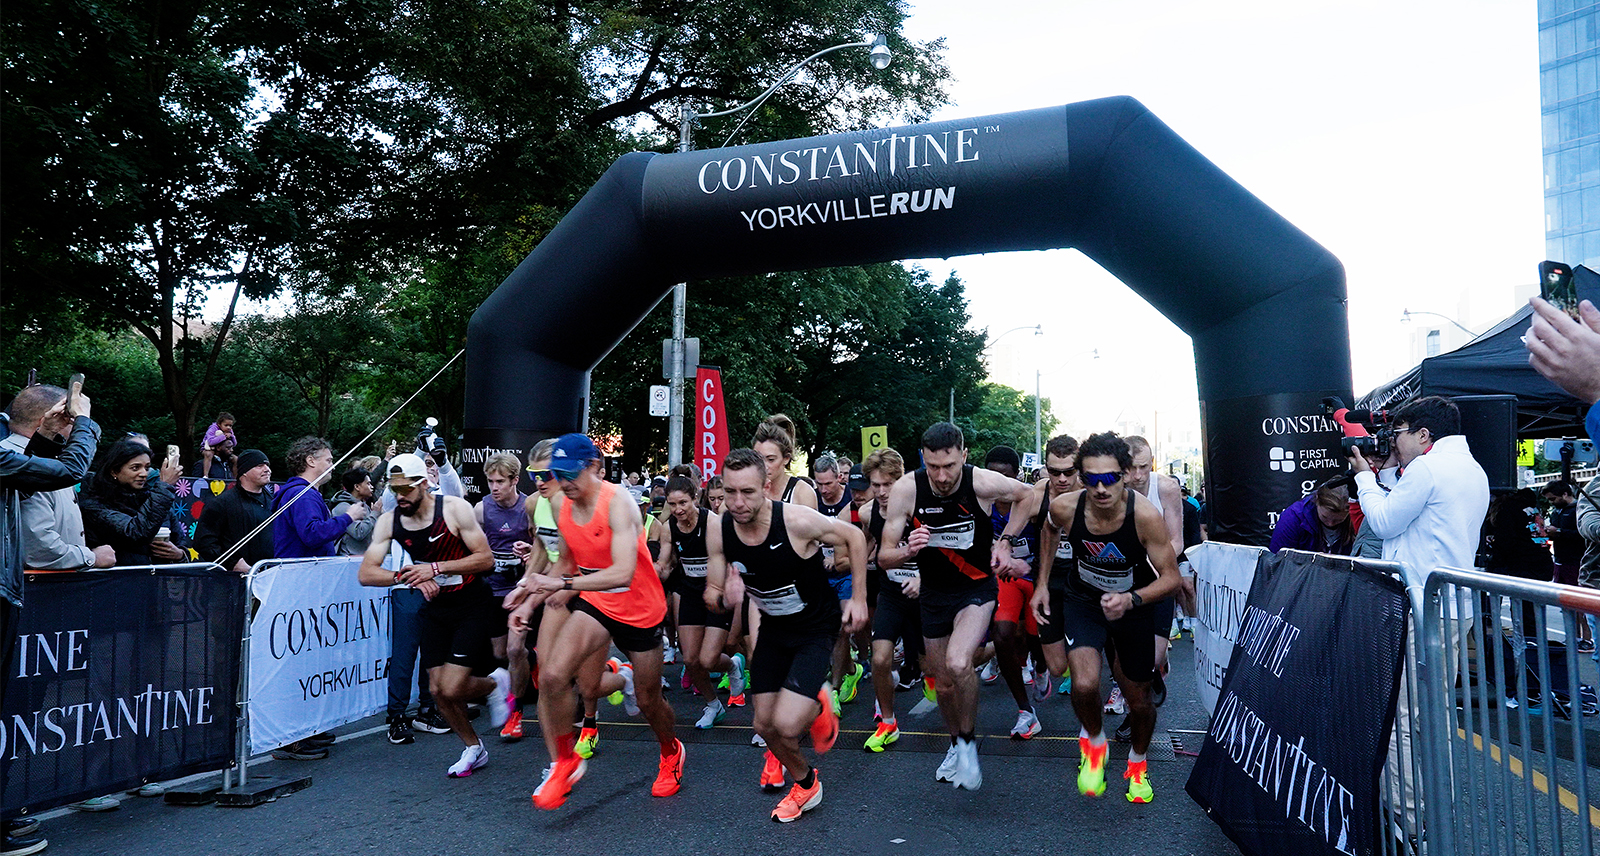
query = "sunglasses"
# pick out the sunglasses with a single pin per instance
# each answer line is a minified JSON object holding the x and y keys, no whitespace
{"x":1065,"y":472}
{"x":405,"y":489}
{"x":1101,"y":479}
{"x":564,"y":476}
{"x":540,"y":475}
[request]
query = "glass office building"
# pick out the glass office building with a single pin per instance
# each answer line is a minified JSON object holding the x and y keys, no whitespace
{"x":1569,"y":96}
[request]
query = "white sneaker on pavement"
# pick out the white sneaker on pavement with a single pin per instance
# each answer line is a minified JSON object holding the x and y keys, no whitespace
{"x":500,"y":699}
{"x":968,"y":777}
{"x":947,"y":768}
{"x":630,"y":697}
{"x":1027,"y":725}
{"x":472,"y":757}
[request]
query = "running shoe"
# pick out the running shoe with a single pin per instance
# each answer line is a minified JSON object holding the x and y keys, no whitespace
{"x":757,"y":740}
{"x":558,"y":781}
{"x":736,"y":700}
{"x":736,"y":679}
{"x":968,"y":777}
{"x":1115,"y":704}
{"x":683,"y":679}
{"x":771,"y":774}
{"x":799,"y":800}
{"x":1124,"y":732}
{"x":1138,"y":783}
{"x":588,"y":741}
{"x":886,"y":733}
{"x":1027,"y":670}
{"x":947,"y":767}
{"x":723,"y":680}
{"x":1176,"y":632}
{"x":1091,"y":768}
{"x":1027,"y":726}
{"x":712,"y":715}
{"x":512,"y":732}
{"x":400,"y":731}
{"x":1065,"y":687}
{"x":630,"y":697}
{"x":833,"y":702}
{"x":669,"y":654}
{"x":472,"y":757}
{"x":904,"y":684}
{"x":500,"y":699}
{"x":1041,"y":684}
{"x":430,"y":720}
{"x":1158,"y":690}
{"x":825,"y":728}
{"x":851,"y":683}
{"x":296,"y":751}
{"x":669,"y":776}
{"x":989,"y":672}
{"x":927,"y":688}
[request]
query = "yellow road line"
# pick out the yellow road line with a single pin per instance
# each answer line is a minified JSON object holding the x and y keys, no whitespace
{"x":1568,"y":799}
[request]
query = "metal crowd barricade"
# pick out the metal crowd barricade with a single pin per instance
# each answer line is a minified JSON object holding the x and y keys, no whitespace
{"x":1498,"y":714}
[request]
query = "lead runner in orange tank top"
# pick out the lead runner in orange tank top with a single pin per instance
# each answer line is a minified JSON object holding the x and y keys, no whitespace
{"x":605,"y":560}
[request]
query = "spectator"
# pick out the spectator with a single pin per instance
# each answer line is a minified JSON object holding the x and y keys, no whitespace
{"x":125,"y":508}
{"x":1567,"y":351}
{"x":52,"y":525}
{"x":220,"y":437}
{"x":306,"y":529}
{"x":1319,"y":523}
{"x":218,"y":451}
{"x":1589,"y":528}
{"x":237,"y":512}
{"x":1568,"y":544}
{"x":356,"y":489}
{"x":442,"y":477}
{"x":178,"y":518}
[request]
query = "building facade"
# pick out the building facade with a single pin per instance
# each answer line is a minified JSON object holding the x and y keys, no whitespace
{"x":1569,"y":96}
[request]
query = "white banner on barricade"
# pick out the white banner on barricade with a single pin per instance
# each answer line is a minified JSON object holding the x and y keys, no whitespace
{"x":1223,"y":574}
{"x":319,"y":650}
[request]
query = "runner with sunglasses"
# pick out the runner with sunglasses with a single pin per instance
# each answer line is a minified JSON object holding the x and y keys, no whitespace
{"x":942,"y":512}
{"x":1124,"y":565}
{"x":620,"y":600}
{"x":1055,"y":564}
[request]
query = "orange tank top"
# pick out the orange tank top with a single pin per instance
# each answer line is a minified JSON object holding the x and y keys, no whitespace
{"x":642,"y":603}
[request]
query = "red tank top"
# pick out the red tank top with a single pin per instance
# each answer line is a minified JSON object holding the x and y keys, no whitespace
{"x":643,"y":603}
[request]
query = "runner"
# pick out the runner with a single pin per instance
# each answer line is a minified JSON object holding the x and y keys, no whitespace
{"x":1166,"y":495}
{"x":620,"y":600}
{"x":714,"y":495}
{"x":1125,"y":564}
{"x":702,"y":633}
{"x":898,"y":616}
{"x":1014,"y":627}
{"x":774,"y":441}
{"x":783,"y":573}
{"x":441,"y":551}
{"x":504,"y":519}
{"x":834,"y":500}
{"x":1054,"y":553}
{"x":945,"y":506}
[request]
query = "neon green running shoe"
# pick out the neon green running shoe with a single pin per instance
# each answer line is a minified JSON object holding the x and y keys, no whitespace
{"x":886,"y":733}
{"x":851,"y":683}
{"x":588,"y":739}
{"x":927,"y":688}
{"x":723,"y":684}
{"x":833,"y":695}
{"x":615,"y":699}
{"x":1091,"y":768}
{"x":1138,"y":783}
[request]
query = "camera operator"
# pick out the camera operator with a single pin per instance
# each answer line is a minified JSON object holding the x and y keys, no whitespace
{"x":442,"y":477}
{"x":1431,"y":518}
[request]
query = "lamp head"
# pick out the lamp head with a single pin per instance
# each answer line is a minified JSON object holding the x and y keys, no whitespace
{"x":880,"y":53}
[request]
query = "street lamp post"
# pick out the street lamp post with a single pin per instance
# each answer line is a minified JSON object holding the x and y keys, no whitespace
{"x":1038,"y":441}
{"x":1038,"y":330}
{"x":1405,"y":317}
{"x":686,"y":118}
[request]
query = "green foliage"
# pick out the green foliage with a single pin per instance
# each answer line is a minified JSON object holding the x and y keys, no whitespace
{"x":1004,"y":418}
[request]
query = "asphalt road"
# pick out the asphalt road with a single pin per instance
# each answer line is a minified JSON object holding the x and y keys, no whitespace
{"x":371,"y":797}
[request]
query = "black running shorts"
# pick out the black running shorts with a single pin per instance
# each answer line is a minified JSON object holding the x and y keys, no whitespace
{"x":627,"y":637}
{"x":1052,"y":631}
{"x":1133,"y":635}
{"x":939,"y":608}
{"x":456,"y":627}
{"x":792,"y":658}
{"x":692,"y":612}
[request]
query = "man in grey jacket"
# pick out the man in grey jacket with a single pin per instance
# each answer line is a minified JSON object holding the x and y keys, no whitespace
{"x":52,"y":525}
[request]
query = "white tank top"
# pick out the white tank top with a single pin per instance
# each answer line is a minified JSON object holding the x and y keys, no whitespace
{"x":1153,"y":491}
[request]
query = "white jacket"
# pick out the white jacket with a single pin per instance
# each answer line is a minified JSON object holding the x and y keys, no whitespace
{"x":1432,"y":517}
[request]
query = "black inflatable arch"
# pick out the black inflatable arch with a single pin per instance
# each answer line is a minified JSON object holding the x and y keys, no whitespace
{"x":1263,"y":302}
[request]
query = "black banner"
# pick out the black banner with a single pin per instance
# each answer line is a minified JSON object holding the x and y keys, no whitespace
{"x":1291,"y":762}
{"x":1264,"y":453}
{"x":120,"y":677}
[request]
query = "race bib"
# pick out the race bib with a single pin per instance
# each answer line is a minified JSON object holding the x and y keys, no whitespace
{"x":694,"y":567}
{"x":783,"y":601}
{"x":1021,"y":549}
{"x":1064,"y":550}
{"x":447,"y":580}
{"x":587,"y":571}
{"x":551,"y":538}
{"x":827,"y":555}
{"x":956,"y":536}
{"x":902,"y":574}
{"x":507,"y":563}
{"x":1109,"y":581}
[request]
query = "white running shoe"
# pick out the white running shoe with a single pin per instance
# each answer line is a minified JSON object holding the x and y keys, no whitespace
{"x":1027,"y":670}
{"x":968,"y":776}
{"x":472,"y":758}
{"x":989,"y":672}
{"x":736,"y":677}
{"x":757,"y":740}
{"x":500,"y":699}
{"x":1041,"y":684}
{"x":669,"y":654}
{"x":630,"y":698}
{"x":1027,"y":725}
{"x":947,"y":768}
{"x":713,"y":714}
{"x":1115,"y":704}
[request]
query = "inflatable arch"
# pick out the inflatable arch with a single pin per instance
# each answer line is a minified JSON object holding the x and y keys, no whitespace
{"x":1263,"y":303}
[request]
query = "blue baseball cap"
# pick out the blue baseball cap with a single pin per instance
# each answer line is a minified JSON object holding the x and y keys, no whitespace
{"x":573,"y":452}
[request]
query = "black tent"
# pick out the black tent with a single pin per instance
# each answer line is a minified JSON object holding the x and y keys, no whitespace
{"x":1495,"y":363}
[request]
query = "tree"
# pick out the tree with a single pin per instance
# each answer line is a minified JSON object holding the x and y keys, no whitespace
{"x":322,"y":348}
{"x":1004,"y":418}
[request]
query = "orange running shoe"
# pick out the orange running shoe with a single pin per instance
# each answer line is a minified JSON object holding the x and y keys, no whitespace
{"x":736,"y":701}
{"x":512,"y":732}
{"x":553,"y":792}
{"x":799,"y":800}
{"x":825,"y":728}
{"x":771,"y":774}
{"x":669,"y":777}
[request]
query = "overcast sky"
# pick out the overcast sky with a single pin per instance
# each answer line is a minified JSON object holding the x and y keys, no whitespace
{"x":1404,"y":137}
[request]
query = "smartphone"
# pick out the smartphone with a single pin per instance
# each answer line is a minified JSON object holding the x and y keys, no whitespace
{"x":74,"y":386}
{"x":1558,"y":288}
{"x":172,"y":453}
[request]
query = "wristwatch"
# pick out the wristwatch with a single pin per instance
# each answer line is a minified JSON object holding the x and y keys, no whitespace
{"x":1137,"y":600}
{"x":566,"y":583}
{"x":1009,"y":538}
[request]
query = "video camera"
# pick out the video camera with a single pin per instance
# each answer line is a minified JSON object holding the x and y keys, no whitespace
{"x":1371,"y":431}
{"x":430,"y":442}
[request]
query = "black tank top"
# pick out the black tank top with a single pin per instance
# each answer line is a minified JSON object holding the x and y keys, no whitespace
{"x":433,"y":544}
{"x":961,"y":534}
{"x":1063,"y":567}
{"x":1108,"y":563}
{"x":789,"y":590}
{"x":889,"y":579}
{"x":788,"y":489}
{"x":689,"y":571}
{"x":834,"y":509}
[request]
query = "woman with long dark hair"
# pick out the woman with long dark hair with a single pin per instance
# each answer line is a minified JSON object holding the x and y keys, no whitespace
{"x":125,"y":507}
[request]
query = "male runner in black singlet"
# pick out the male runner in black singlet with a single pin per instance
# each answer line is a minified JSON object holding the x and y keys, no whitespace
{"x":1124,"y":565}
{"x":834,"y":500}
{"x":783,"y":574}
{"x":448,"y":554}
{"x":945,"y":505}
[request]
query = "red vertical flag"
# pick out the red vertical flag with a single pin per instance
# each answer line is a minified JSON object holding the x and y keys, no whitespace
{"x":711,"y":423}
